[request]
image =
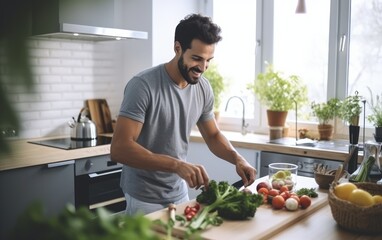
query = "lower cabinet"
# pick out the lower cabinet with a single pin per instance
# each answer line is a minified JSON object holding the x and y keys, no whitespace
{"x":218,"y":169}
{"x":50,"y":184}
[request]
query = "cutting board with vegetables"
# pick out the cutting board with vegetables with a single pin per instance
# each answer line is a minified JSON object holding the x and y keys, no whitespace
{"x":266,"y":223}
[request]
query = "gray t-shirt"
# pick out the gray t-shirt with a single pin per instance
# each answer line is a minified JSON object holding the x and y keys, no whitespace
{"x":168,"y":114}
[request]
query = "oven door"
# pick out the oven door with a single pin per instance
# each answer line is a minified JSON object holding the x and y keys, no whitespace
{"x":100,"y":189}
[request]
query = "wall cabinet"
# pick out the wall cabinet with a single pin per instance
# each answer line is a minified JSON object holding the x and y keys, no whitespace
{"x":218,"y":169}
{"x":50,"y":184}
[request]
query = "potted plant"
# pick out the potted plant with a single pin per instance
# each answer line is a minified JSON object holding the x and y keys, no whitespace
{"x":325,"y":112}
{"x":349,"y":111}
{"x":217,"y":83}
{"x":279,"y":93}
{"x":376,"y":115}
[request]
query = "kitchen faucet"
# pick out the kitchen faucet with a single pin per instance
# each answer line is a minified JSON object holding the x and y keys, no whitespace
{"x":243,"y":124}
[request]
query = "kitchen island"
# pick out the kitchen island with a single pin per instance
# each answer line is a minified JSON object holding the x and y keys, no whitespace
{"x":315,"y":222}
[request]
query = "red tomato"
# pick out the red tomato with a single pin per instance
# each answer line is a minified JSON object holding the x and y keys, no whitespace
{"x":273,"y":192}
{"x":284,"y":188}
{"x":187,"y":210}
{"x":305,"y":201}
{"x":197,"y":206}
{"x":295,"y":197}
{"x":263,"y":191}
{"x":190,"y":216}
{"x":278,"y":202}
{"x":285,"y":195}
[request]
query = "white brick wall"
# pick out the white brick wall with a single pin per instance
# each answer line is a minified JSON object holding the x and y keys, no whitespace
{"x":66,"y":73}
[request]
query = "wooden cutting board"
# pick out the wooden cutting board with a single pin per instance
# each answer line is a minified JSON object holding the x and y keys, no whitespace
{"x":266,"y":223}
{"x":100,"y":114}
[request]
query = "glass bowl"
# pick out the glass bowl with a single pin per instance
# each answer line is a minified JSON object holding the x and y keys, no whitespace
{"x":281,"y":174}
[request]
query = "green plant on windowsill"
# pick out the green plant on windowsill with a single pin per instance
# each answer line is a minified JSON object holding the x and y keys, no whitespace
{"x":325,"y":111}
{"x":376,"y":109}
{"x":277,"y":92}
{"x":217,"y":83}
{"x":350,"y":109}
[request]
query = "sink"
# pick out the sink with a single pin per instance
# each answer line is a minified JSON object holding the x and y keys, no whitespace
{"x":337,"y":145}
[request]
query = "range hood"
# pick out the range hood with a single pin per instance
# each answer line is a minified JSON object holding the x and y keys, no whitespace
{"x":93,"y":20}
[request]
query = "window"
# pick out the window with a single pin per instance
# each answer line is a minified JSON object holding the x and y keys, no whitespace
{"x":301,"y":44}
{"x":336,"y":47}
{"x":365,"y":53}
{"x":235,"y":57}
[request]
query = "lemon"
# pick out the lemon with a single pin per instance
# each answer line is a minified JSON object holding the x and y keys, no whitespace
{"x":280,"y":174}
{"x":361,"y":197}
{"x":377,"y":199}
{"x":344,"y":189}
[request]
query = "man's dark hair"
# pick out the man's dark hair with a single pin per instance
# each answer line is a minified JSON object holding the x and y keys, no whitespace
{"x":196,"y":26}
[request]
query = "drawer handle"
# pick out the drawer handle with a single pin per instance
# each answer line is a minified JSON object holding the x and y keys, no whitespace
{"x":60,"y":164}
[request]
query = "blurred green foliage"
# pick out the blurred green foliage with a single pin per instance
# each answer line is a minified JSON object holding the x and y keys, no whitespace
{"x":15,"y":71}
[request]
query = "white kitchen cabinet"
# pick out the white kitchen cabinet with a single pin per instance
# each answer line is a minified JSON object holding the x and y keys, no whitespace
{"x":50,"y":184}
{"x":218,"y":169}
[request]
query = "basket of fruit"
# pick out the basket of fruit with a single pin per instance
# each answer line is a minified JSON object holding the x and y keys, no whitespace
{"x":357,"y":206}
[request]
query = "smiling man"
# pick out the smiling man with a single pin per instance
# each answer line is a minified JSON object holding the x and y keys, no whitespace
{"x":161,"y":105}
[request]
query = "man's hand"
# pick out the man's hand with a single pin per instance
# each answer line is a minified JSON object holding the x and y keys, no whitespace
{"x":195,"y":175}
{"x":245,"y":171}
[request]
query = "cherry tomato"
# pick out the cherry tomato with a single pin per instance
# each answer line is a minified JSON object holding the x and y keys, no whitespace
{"x":278,"y":202}
{"x":284,"y":188}
{"x":197,"y":206}
{"x":187,"y":210}
{"x":295,"y":197}
{"x":285,"y":195}
{"x":305,"y":201}
{"x":190,"y":216}
{"x":263,"y":191}
{"x":273,"y":192}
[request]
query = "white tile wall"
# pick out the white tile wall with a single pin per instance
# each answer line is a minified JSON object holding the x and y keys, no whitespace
{"x":66,"y":73}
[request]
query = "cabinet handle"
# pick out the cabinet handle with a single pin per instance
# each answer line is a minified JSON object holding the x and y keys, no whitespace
{"x":60,"y":164}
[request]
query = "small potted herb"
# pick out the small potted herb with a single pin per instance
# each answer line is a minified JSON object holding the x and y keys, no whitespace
{"x":325,"y":112}
{"x":279,"y":93}
{"x":217,"y":83}
{"x":349,"y":111}
{"x":376,"y":115}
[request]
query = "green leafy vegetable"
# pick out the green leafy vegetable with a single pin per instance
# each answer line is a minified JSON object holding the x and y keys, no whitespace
{"x":223,"y":201}
{"x":362,"y":173}
{"x":81,"y":224}
{"x":311,"y":192}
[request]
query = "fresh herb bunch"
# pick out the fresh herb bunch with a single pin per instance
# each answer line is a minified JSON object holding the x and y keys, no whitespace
{"x":311,"y":192}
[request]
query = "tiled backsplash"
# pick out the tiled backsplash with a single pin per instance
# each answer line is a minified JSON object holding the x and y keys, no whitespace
{"x":66,"y":73}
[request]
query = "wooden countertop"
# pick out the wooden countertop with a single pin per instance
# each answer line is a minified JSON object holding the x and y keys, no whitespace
{"x":315,"y":222}
{"x":261,"y":143}
{"x":25,"y":154}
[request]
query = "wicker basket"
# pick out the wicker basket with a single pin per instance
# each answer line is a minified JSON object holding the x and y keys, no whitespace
{"x":356,"y":218}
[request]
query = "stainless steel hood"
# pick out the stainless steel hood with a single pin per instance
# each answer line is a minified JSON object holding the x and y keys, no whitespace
{"x":93,"y":20}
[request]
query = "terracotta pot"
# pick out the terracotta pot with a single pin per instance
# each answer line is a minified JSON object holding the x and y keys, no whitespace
{"x":276,"y":118}
{"x":325,"y":131}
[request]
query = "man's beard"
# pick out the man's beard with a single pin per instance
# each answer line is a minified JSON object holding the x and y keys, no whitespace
{"x":184,"y":71}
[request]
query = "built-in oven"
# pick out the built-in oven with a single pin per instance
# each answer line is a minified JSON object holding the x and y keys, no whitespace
{"x":97,"y":184}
